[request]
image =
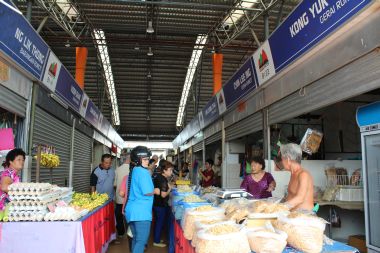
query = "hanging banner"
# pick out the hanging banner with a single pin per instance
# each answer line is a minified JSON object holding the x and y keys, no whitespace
{"x":84,"y":105}
{"x":105,"y":125}
{"x":307,"y":25}
{"x":20,"y":42}
{"x":210,"y":111}
{"x":68,"y":90}
{"x":52,"y":70}
{"x":201,"y":120}
{"x":221,"y":102}
{"x":263,"y":62}
{"x":92,"y":114}
{"x":240,"y":84}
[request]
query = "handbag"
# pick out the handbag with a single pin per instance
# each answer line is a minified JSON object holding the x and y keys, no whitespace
{"x":6,"y":139}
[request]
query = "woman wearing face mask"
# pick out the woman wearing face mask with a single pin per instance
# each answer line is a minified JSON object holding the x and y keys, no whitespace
{"x":13,"y":164}
{"x":161,"y":202}
{"x":259,"y":183}
{"x":138,"y":210}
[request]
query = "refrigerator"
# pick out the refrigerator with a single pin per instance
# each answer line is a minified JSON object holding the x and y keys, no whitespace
{"x":368,"y":119}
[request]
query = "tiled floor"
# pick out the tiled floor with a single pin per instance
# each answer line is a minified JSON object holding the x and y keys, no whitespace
{"x":123,"y":247}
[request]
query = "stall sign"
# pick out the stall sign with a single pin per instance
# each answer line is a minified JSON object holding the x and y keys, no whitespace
{"x":68,"y":90}
{"x":210,"y":111}
{"x":20,"y":42}
{"x":240,"y":84}
{"x":92,"y":114}
{"x":308,"y":24}
{"x":52,"y":70}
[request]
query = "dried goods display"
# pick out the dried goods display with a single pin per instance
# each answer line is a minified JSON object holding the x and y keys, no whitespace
{"x":305,"y":232}
{"x":222,"y":238}
{"x":264,"y":240}
{"x":267,"y":207}
{"x":198,"y":214}
{"x":184,"y":188}
{"x":311,"y":141}
{"x":192,"y":199}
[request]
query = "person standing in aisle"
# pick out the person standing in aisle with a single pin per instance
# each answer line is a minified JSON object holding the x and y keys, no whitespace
{"x":161,"y":202}
{"x":259,"y":183}
{"x":138,"y":210}
{"x":208,"y":174}
{"x":120,"y":173}
{"x":103,"y":177}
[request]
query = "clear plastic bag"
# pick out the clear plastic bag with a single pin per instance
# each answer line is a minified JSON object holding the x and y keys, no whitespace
{"x":311,"y":141}
{"x":305,"y":231}
{"x":266,"y":241}
{"x":206,"y":224}
{"x":233,"y":242}
{"x":197,"y":214}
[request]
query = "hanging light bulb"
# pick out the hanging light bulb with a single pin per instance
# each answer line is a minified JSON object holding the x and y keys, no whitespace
{"x":150,"y":52}
{"x":150,"y":29}
{"x":137,"y":46}
{"x":149,"y":75}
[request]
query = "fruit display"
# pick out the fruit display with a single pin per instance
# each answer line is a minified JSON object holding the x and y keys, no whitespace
{"x":88,"y":201}
{"x":49,"y":158}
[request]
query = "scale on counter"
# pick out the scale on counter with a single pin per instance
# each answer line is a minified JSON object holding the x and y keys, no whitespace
{"x":232,"y":193}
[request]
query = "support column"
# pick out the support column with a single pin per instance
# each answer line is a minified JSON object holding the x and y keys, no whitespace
{"x":224,"y":157}
{"x":71,"y":169}
{"x":266,"y":26}
{"x":266,"y":132}
{"x":29,"y":5}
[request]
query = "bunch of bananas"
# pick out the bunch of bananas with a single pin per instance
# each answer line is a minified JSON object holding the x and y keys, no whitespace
{"x":88,"y":201}
{"x":49,"y":160}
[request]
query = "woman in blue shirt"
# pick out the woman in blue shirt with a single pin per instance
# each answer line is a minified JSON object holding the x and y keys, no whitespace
{"x":138,"y":210}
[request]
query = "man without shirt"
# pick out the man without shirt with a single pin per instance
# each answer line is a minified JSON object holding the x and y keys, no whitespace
{"x":300,"y":188}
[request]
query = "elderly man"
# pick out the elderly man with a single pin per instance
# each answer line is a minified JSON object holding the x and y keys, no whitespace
{"x":300,"y":188}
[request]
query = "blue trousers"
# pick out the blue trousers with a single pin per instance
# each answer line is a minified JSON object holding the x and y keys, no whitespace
{"x":161,"y":215}
{"x":140,"y":231}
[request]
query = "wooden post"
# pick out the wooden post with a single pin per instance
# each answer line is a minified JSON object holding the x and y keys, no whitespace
{"x":38,"y":163}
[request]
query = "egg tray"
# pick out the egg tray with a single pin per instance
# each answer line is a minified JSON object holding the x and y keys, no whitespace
{"x":47,"y":196}
{"x":27,"y":216}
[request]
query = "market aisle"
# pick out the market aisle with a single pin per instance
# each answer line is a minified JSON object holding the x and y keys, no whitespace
{"x":123,"y":247}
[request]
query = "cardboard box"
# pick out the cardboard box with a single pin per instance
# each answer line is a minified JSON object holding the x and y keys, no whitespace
{"x":358,"y":241}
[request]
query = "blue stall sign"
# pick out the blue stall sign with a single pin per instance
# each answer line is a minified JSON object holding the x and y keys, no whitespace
{"x":307,"y":25}
{"x":68,"y":90}
{"x":210,"y":112}
{"x":20,"y":42}
{"x":240,"y":84}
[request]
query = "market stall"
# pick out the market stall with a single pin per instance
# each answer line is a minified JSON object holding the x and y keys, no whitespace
{"x":56,"y":220}
{"x":205,"y":226}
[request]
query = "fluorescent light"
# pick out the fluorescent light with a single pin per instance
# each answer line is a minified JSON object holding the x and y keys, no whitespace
{"x":197,"y":52}
{"x":101,"y":44}
{"x":150,"y":29}
{"x":150,"y":52}
{"x":235,"y":15}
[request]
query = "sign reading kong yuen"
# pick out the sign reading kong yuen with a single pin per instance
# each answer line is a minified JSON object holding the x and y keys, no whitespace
{"x":307,"y":25}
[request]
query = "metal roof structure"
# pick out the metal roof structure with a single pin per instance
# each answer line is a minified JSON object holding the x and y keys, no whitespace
{"x":149,"y":88}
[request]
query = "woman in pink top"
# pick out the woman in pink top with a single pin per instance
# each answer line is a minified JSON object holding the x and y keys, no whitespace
{"x":13,"y":164}
{"x":259,"y":183}
{"x":123,"y":192}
